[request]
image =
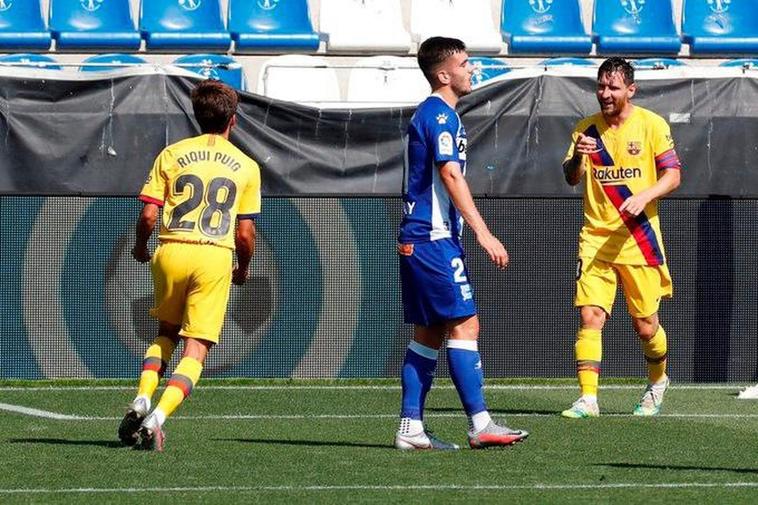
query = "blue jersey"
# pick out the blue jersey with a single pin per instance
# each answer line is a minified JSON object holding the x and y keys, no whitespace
{"x":435,"y":136}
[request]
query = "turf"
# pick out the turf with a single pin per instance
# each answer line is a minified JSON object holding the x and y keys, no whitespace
{"x":297,"y":451}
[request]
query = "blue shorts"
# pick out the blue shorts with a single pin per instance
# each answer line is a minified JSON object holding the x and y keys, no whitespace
{"x":435,"y":282}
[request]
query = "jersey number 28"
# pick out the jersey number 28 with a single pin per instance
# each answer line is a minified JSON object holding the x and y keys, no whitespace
{"x":214,"y":207}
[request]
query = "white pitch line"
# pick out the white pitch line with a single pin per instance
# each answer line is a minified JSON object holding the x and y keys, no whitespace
{"x":20,"y":409}
{"x":441,"y":487}
{"x":494,"y":387}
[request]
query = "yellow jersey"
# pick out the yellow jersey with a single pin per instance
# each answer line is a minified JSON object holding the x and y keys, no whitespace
{"x":630,"y":160}
{"x":204,"y":184}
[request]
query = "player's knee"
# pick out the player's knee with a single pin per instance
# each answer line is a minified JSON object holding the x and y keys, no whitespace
{"x":646,"y":328}
{"x":592,"y":317}
{"x":464,"y":329}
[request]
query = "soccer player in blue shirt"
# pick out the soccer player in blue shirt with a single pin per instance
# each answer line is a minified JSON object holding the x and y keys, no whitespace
{"x":437,"y":297}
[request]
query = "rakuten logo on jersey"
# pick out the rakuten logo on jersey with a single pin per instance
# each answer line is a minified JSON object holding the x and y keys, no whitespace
{"x":610,"y":174}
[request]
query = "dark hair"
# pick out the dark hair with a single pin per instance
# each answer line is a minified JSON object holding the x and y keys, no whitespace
{"x":214,"y":104}
{"x":620,"y":65}
{"x":434,"y":51}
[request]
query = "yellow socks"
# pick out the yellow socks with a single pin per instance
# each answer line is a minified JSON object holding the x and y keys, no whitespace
{"x":589,"y":352}
{"x":180,"y":385}
{"x":157,"y":357}
{"x":655,"y":351}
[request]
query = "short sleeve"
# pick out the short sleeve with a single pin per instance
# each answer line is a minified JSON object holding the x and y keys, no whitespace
{"x":572,"y":146}
{"x":663,"y":146}
{"x":250,"y":203}
{"x":154,"y":190}
{"x":444,"y":131}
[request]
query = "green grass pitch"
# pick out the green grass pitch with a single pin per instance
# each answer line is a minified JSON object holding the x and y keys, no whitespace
{"x":331,"y":442}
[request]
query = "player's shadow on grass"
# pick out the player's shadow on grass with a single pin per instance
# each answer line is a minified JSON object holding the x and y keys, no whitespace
{"x":311,"y":443}
{"x":494,"y":411}
{"x":111,"y":444}
{"x":679,"y":467}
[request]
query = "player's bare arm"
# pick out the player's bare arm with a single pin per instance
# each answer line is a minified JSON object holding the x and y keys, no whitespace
{"x":573,"y":169}
{"x":143,"y":230}
{"x":244,"y":241}
{"x":668,"y":182}
{"x":459,"y":192}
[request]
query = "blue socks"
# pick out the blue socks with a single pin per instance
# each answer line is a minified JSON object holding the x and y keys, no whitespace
{"x":467,"y":374}
{"x":417,"y":376}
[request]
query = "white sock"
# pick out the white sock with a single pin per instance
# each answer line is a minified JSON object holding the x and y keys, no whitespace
{"x":144,"y":400}
{"x":479,"y":421}
{"x":662,"y":381}
{"x":155,"y":419}
{"x":589,"y":398}
{"x":410,"y":426}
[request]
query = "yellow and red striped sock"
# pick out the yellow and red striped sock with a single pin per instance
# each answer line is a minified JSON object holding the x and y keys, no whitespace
{"x":589,"y":353}
{"x":154,"y":364}
{"x":180,"y":385}
{"x":656,"y":352}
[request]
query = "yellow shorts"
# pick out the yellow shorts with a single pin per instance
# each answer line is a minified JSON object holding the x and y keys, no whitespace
{"x":191,"y":284}
{"x":643,"y":285}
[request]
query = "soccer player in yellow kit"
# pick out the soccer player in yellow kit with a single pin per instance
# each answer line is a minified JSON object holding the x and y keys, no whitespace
{"x":210,"y":193}
{"x":627,"y":157}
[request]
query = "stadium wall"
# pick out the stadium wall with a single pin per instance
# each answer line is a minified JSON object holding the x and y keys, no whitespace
{"x":324,"y":299}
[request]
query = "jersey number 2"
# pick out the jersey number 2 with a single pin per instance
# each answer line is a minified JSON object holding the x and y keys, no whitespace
{"x":213,"y":206}
{"x":458,"y":275}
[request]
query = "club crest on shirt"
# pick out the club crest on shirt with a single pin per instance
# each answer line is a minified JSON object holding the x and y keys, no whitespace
{"x":442,"y":118}
{"x":634,"y":147}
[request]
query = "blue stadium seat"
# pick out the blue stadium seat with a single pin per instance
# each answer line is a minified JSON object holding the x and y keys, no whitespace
{"x":214,"y":66}
{"x":22,"y":26}
{"x":272,"y":26}
{"x":90,"y":25}
{"x":544,"y":26}
{"x":720,"y":27}
{"x":635,"y":27}
{"x":179,"y":25}
{"x":648,"y":63}
{"x":29,"y":60}
{"x":114,"y":61}
{"x":557,"y":62}
{"x":487,"y":68}
{"x":741,"y":62}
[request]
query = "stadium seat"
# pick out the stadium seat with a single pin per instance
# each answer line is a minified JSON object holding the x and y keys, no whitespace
{"x":635,"y":27}
{"x":108,"y":62}
{"x":487,"y":68}
{"x":720,"y":27}
{"x":384,"y":80}
{"x":271,"y":26}
{"x":299,"y":78}
{"x":558,"y":62}
{"x":741,"y":62}
{"x":22,"y":26}
{"x":29,"y":60}
{"x":657,"y":63}
{"x":178,"y":25}
{"x":468,"y":20}
{"x":214,"y":66}
{"x":544,"y":26}
{"x":364,"y":25}
{"x":90,"y":25}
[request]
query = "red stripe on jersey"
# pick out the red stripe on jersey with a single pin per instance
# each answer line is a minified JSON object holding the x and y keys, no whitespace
{"x":150,"y":199}
{"x":638,"y":226}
